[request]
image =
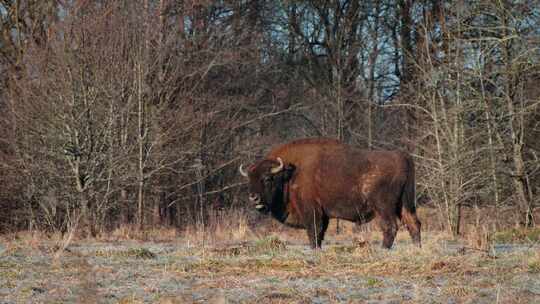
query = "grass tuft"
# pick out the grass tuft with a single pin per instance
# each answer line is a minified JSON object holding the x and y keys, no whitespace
{"x":533,"y":264}
{"x":138,"y":253}
{"x":373,"y":282}
{"x":130,"y":300}
{"x":517,"y":235}
{"x":271,"y":244}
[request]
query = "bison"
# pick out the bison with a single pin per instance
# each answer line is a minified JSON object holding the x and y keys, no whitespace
{"x":306,"y":182}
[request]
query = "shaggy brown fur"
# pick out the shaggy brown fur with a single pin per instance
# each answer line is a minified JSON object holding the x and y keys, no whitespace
{"x":320,"y":178}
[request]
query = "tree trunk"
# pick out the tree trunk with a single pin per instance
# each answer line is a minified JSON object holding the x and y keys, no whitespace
{"x":156,"y":212}
{"x":142,"y":126}
{"x":140,"y":205}
{"x":520,"y":180}
{"x":141,"y":134}
{"x":407,"y":66}
{"x":455,"y":218}
{"x":291,"y":48}
{"x":517,"y":130}
{"x":125,"y":207}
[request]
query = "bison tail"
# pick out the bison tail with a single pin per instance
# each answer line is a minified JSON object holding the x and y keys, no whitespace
{"x":408,"y":197}
{"x":408,"y":200}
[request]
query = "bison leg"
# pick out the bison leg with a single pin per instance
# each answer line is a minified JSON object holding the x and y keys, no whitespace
{"x":412,"y":223}
{"x":316,"y":228}
{"x":389,"y":229}
{"x":322,"y":231}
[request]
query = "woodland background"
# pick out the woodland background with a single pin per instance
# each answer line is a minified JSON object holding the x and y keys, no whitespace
{"x":139,"y":112}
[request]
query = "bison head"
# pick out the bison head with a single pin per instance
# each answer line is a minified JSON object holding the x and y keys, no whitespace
{"x":267,"y":180}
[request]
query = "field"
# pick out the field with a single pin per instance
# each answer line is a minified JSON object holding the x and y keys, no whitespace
{"x":272,"y":268}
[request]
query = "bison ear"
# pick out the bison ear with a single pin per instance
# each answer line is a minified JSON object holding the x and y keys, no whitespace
{"x":288,"y":171}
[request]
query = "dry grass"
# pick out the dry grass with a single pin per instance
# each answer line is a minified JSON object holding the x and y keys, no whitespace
{"x":229,"y":262}
{"x":268,"y":270}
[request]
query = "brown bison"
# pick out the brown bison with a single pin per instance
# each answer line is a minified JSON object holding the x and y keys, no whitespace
{"x":306,"y":182}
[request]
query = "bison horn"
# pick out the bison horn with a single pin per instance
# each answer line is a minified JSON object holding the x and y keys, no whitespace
{"x":278,"y":168}
{"x":242,"y":172}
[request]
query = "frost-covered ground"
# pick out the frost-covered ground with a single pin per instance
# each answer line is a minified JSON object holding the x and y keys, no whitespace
{"x":267,"y":270}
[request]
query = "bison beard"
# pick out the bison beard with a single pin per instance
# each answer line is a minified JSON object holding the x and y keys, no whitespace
{"x":306,"y":182}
